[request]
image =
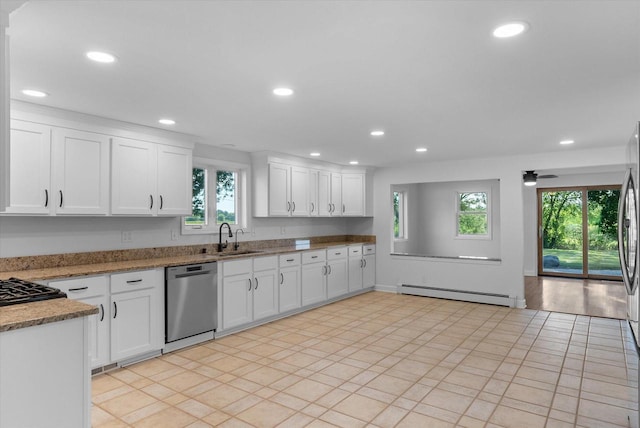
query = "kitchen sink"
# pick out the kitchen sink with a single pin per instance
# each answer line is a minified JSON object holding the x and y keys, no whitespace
{"x":237,"y":253}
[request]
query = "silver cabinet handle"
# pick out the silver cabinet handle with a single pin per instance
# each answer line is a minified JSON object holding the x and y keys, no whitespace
{"x":281,"y":278}
{"x":161,"y":201}
{"x":256,"y":287}
{"x":361,"y":264}
{"x":134,"y":281}
{"x":101,"y":312}
{"x":115,"y":310}
{"x":365,"y":262}
{"x":249,"y":284}
{"x":61,"y":198}
{"x":294,"y":206}
{"x":329,"y":267}
{"x":151,"y":197}
{"x":288,"y":206}
{"x":46,"y":198}
{"x":314,"y":257}
{"x":72,"y":290}
{"x":312,"y":207}
{"x":324,"y":270}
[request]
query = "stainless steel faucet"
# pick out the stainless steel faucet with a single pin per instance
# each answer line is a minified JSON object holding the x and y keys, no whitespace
{"x":222,"y":246}
{"x":236,"y":245}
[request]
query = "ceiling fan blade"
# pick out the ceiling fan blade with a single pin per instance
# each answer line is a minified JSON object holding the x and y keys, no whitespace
{"x":548,"y":176}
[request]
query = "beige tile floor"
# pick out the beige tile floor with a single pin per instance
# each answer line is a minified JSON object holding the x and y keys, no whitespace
{"x":386,"y":360}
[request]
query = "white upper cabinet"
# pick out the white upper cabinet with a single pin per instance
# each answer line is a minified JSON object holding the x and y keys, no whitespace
{"x":149,"y":178}
{"x":288,"y":190}
{"x":174,"y":180}
{"x":279,"y":189}
{"x":353,"y":194}
{"x":27,"y":178}
{"x":56,"y":171}
{"x":289,"y":187}
{"x":80,"y":172}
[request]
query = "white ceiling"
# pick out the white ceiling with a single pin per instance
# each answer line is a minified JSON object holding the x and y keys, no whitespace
{"x":427,"y":72}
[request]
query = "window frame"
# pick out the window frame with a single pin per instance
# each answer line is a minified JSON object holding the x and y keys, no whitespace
{"x":211,"y":166}
{"x":458,"y":212}
{"x":402,"y":215}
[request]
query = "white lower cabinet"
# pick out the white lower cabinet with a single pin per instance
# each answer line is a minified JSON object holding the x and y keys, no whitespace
{"x":94,"y":291}
{"x":249,"y":290}
{"x":337,"y":283}
{"x":356,"y":266}
{"x":314,"y":274}
{"x":136,"y":313}
{"x":369,"y":268}
{"x":290,"y":286}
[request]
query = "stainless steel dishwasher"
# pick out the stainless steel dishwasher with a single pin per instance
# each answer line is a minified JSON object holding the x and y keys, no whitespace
{"x":191,"y":300}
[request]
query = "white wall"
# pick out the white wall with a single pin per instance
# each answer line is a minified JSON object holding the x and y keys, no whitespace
{"x":567,"y":179}
{"x":437,"y":234}
{"x":506,"y":277}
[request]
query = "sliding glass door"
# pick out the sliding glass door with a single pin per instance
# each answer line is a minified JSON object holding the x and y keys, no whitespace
{"x":578,"y":232}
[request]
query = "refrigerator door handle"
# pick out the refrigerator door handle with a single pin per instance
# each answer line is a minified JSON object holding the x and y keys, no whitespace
{"x":627,"y":186}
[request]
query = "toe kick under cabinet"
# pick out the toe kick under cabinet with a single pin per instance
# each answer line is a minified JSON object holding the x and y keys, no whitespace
{"x":130,"y":321}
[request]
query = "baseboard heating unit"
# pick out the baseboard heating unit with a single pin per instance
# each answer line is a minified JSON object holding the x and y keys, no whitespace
{"x":466,"y":296}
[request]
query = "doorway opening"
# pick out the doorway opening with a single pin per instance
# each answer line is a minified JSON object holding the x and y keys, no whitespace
{"x":577,"y":232}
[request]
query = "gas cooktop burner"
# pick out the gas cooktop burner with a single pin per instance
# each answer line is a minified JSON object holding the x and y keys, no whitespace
{"x":14,"y":291}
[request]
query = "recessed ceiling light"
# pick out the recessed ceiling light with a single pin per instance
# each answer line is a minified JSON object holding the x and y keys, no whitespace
{"x":377,"y":133}
{"x":353,"y":162}
{"x":314,"y":154}
{"x":421,"y":149}
{"x":102,"y":57}
{"x":510,"y":29}
{"x":167,"y":121}
{"x":566,"y":142}
{"x":283,"y":92}
{"x":34,"y":93}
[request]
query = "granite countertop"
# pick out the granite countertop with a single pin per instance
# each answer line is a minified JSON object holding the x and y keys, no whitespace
{"x":14,"y":317}
{"x":158,"y":262}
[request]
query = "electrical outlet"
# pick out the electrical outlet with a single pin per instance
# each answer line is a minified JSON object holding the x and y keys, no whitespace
{"x":174,"y":235}
{"x":283,"y":230}
{"x":127,"y":236}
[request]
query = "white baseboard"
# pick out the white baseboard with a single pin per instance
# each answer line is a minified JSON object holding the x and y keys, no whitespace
{"x":386,"y":288}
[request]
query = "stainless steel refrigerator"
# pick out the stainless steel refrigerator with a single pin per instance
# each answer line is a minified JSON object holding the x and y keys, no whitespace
{"x":628,"y":221}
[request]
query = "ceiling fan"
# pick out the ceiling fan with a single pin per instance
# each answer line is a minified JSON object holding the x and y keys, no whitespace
{"x":531,"y":178}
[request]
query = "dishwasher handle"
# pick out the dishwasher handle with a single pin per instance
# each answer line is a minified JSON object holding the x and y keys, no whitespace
{"x":185,"y":275}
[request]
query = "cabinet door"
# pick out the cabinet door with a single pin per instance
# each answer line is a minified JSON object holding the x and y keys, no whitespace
{"x":314,"y":288}
{"x":336,"y":194}
{"x":133,"y":177}
{"x":324,"y":193}
{"x":27,"y":188}
{"x":299,"y":191}
{"x":313,"y":193}
{"x":265,"y":294}
{"x":369,"y":271}
{"x":337,"y":284}
{"x":174,"y":180}
{"x":134,"y":323}
{"x":289,"y":288}
{"x":279,"y":179}
{"x":80,"y":172}
{"x":98,"y":332}
{"x":353,"y":194}
{"x":356,"y":265}
{"x":237,"y":304}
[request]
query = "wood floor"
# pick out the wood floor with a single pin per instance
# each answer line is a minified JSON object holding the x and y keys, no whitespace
{"x":596,"y":298}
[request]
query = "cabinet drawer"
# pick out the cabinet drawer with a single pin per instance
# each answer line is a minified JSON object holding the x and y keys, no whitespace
{"x":314,"y":256}
{"x":369,"y":249}
{"x":237,"y":267}
{"x":265,"y":263}
{"x":292,"y":259}
{"x":82,"y":288}
{"x":336,"y":253}
{"x":136,"y":280}
{"x":355,"y":250}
